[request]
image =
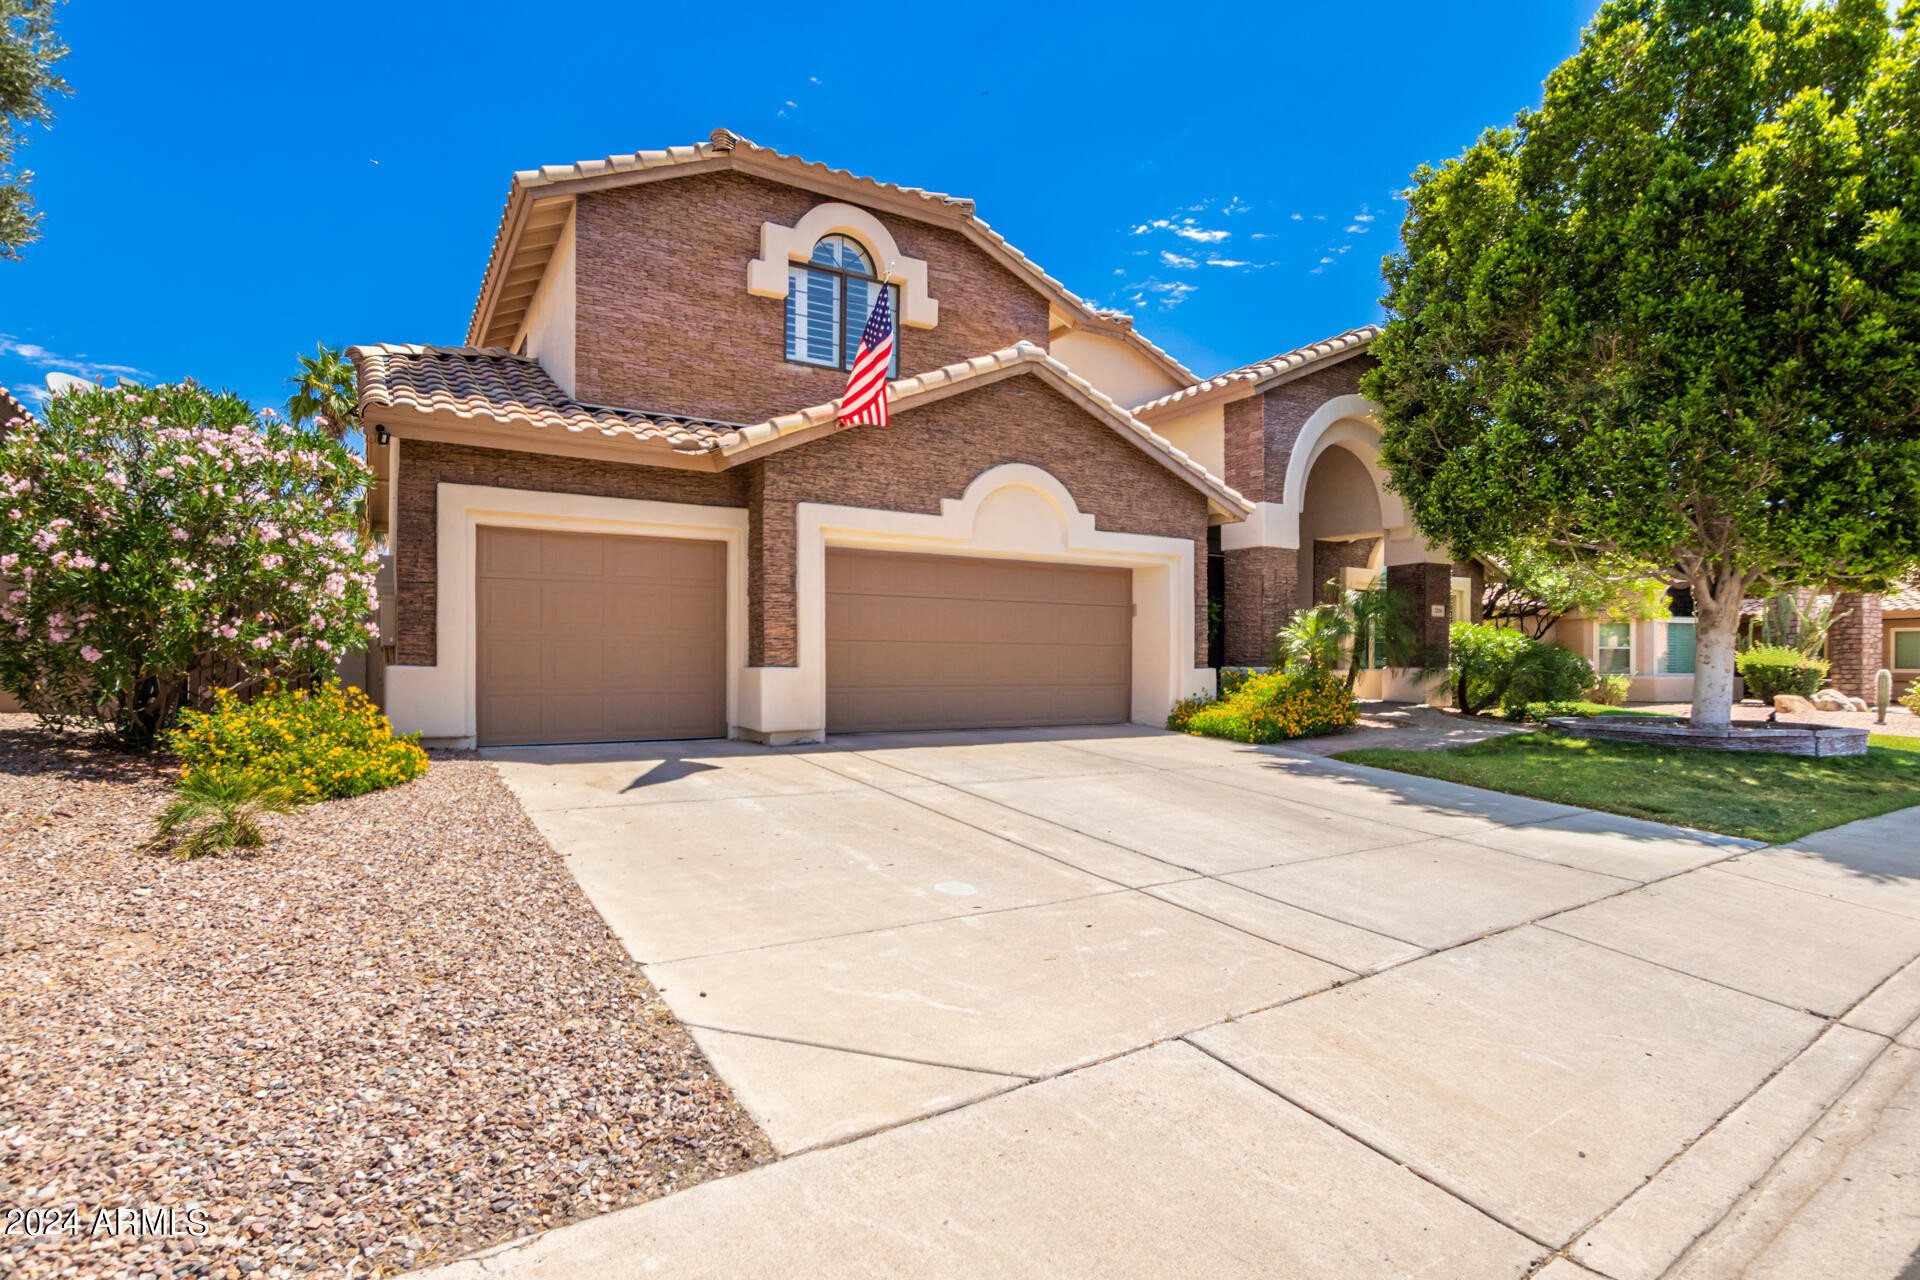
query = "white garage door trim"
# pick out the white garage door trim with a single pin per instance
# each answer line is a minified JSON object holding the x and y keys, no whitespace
{"x":1016,"y":511}
{"x":440,"y":702}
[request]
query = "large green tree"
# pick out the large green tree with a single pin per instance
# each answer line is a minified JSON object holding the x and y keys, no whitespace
{"x":1672,"y":316}
{"x":28,"y":51}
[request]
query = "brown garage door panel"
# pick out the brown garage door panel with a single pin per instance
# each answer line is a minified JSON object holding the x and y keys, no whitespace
{"x":593,"y":638}
{"x":924,"y":642}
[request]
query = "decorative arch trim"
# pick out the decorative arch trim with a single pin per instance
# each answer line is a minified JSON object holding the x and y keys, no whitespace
{"x":1346,"y":422}
{"x":779,"y":246}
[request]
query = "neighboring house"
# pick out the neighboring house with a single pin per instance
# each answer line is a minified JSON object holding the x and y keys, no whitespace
{"x":626,"y":509}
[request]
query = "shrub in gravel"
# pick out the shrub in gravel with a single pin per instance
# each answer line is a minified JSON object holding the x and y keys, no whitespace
{"x":160,"y":542}
{"x":212,"y":814}
{"x":1278,"y":706}
{"x":1771,"y":669}
{"x":319,"y":744}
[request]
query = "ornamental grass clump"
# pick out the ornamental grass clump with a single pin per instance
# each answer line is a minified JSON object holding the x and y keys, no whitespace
{"x":318,"y":744}
{"x":162,"y":542}
{"x":1277,"y":707}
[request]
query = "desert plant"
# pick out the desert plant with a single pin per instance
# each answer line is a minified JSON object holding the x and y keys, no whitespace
{"x":157,"y":539}
{"x":1911,"y":698}
{"x":1314,"y":639}
{"x":1771,"y":670}
{"x":212,"y":814}
{"x":1609,"y":691}
{"x":1785,"y":623}
{"x":1381,"y":622}
{"x":1882,"y":693}
{"x":319,"y":744}
{"x":1278,"y":706}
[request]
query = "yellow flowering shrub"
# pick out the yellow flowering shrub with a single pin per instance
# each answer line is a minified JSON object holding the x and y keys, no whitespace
{"x":317,"y":743}
{"x":1276,"y":707}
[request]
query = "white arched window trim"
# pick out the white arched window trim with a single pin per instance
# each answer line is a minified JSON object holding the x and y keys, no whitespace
{"x":767,"y":274}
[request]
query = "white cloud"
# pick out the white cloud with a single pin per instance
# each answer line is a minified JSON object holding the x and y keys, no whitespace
{"x":92,"y":370}
{"x":1186,"y":228}
{"x":1357,"y":229}
{"x":1364,"y":217}
{"x":1226,"y":262}
{"x":1325,"y":261}
{"x":1295,"y":217}
{"x":1173,"y":259}
{"x":1261,"y":235}
{"x":1202,"y":234}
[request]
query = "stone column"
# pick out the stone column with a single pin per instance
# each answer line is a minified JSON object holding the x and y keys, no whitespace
{"x":1261,"y":582}
{"x":1428,"y":586}
{"x":1854,"y":644}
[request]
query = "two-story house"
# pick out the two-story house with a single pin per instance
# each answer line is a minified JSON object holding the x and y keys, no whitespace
{"x":626,"y":508}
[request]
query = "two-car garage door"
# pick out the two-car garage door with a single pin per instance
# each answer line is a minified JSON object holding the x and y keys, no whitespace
{"x":593,"y":638}
{"x":949,"y":642}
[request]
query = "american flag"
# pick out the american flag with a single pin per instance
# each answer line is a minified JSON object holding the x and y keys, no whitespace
{"x":865,"y":399}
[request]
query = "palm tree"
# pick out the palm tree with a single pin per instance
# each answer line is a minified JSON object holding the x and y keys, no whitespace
{"x":323,"y":391}
{"x":1382,"y":624}
{"x":1315,"y":639}
{"x":210,"y":815}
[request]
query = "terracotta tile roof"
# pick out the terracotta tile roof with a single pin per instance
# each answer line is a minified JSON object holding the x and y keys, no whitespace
{"x":724,"y":145}
{"x":474,"y":383}
{"x":11,"y":408}
{"x":491,"y":384}
{"x":1285,"y":365}
{"x":1904,"y":598}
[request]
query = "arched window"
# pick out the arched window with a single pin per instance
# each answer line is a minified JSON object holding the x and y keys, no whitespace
{"x":828,"y":300}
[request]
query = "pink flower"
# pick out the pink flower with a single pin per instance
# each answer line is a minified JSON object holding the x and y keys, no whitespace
{"x":259,"y":642}
{"x":179,"y":535}
{"x":90,"y":653}
{"x":165,"y":473}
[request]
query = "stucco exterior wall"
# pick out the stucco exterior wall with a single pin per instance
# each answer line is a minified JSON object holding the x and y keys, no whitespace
{"x":665,"y":323}
{"x":549,"y":328}
{"x":1115,"y":366}
{"x":1202,"y":436}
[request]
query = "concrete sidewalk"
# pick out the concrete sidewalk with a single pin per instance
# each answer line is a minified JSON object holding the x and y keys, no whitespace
{"x":1115,"y":1002}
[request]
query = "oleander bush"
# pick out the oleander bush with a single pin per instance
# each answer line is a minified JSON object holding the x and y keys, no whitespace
{"x":161,"y":542}
{"x":1278,"y":706}
{"x":1771,"y":669}
{"x":318,"y":744}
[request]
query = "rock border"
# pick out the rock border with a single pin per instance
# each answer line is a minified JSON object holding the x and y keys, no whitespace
{"x":1790,"y":740}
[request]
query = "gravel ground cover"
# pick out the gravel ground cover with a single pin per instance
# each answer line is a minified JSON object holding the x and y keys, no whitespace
{"x":394,"y":1035}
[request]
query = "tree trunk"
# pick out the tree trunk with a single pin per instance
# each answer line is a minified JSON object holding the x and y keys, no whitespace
{"x":1716,"y":626}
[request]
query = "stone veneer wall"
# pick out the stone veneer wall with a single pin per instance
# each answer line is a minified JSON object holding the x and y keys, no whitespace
{"x":664,"y":321}
{"x":425,"y":464}
{"x":1855,"y":643}
{"x":935,"y":451}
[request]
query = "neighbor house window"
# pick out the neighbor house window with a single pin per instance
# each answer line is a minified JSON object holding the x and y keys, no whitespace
{"x":1613,"y":648}
{"x":1906,"y":650}
{"x":1680,"y":646}
{"x":828,"y":300}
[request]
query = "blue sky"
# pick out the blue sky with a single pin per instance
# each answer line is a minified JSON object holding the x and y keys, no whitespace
{"x":223,"y":193}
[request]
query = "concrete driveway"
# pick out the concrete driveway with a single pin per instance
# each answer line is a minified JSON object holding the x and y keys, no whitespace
{"x":1119,"y":1002}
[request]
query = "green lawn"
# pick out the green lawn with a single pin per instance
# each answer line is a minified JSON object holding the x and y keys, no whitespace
{"x":1759,"y":797}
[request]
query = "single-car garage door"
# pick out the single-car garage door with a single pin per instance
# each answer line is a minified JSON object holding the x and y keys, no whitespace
{"x":950,"y":642}
{"x":595,"y":638}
